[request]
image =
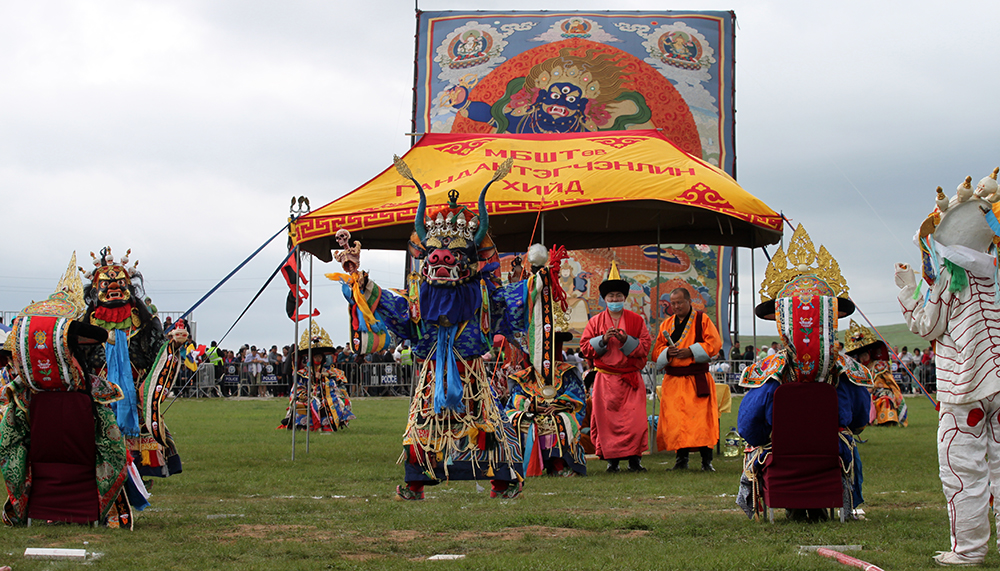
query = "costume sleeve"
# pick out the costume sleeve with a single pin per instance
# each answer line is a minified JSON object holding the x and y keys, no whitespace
{"x":393,"y":310}
{"x":660,"y":349}
{"x":639,"y":345}
{"x":854,"y":405}
{"x":754,"y":418}
{"x":572,"y":400}
{"x":712,"y":344}
{"x":517,"y":405}
{"x":507,"y":309}
{"x":590,"y":333}
{"x":928,"y":320}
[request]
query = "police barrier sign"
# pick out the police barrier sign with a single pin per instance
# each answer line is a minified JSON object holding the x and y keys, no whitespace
{"x":269,"y":377}
{"x":231,"y":376}
{"x":388,"y":376}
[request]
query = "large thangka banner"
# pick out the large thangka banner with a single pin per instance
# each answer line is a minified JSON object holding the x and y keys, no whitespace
{"x":565,"y":72}
{"x":521,"y":72}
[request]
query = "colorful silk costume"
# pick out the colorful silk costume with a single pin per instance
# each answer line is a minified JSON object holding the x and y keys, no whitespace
{"x":887,"y":398}
{"x":157,"y":451}
{"x":805,"y":295}
{"x":960,"y":314}
{"x":455,"y":428}
{"x":688,"y":407}
{"x":328,"y":408}
{"x":618,"y":426}
{"x":44,"y":345}
{"x":114,"y":302}
{"x":548,"y":413}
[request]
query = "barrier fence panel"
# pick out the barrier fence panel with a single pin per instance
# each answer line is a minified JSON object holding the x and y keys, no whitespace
{"x":378,"y":379}
{"x":206,"y":384}
{"x":394,"y":379}
{"x":252,"y":379}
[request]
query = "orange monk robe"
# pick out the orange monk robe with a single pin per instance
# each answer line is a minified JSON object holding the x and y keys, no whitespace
{"x":687,"y":420}
{"x":618,"y":424}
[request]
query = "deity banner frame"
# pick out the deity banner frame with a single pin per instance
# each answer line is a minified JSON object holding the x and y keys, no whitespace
{"x":479,"y":72}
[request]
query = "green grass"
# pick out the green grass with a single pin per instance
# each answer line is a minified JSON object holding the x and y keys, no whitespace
{"x":242,"y":503}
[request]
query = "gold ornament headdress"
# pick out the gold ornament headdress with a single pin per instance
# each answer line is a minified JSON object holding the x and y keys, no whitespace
{"x":318,"y":338}
{"x":858,"y":336}
{"x":801,"y":259}
{"x":800,"y":271}
{"x":66,"y":301}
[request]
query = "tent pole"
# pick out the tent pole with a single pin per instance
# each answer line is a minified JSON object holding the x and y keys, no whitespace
{"x":543,"y":230}
{"x":656,"y":302}
{"x":656,"y":308}
{"x":311,"y":365}
{"x":295,"y":362}
{"x":753,"y":297}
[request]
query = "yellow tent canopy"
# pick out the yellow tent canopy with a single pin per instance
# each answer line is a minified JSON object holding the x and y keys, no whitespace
{"x":597,"y":190}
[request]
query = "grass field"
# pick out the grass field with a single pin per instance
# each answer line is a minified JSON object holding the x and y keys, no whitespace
{"x":242,"y":503}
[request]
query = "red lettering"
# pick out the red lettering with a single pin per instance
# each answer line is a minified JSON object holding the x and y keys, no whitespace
{"x":510,"y":185}
{"x":628,"y":165}
{"x":588,"y":166}
{"x":574,"y":186}
{"x":482,"y":166}
{"x":536,"y":189}
{"x":521,"y":155}
{"x":501,"y":153}
{"x":439,"y":182}
{"x":542,"y":173}
{"x":463,"y":174}
{"x":524,"y":170}
{"x":607,"y":165}
{"x":545,"y":157}
{"x":569,"y":154}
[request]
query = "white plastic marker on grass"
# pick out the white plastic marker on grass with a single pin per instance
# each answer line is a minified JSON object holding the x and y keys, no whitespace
{"x":45,"y":553}
{"x":445,"y":557}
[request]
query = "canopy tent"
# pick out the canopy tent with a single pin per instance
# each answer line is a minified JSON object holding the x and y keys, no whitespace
{"x":599,"y":189}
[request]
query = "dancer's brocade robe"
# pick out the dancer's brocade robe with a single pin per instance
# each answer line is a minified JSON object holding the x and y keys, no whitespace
{"x":455,"y":428}
{"x":15,"y":442}
{"x":549,"y":427}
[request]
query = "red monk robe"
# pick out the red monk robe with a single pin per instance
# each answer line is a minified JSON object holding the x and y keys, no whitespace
{"x":618,"y":424}
{"x":687,"y":420}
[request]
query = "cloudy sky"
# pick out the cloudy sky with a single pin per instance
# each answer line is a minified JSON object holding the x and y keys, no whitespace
{"x":181,"y":129}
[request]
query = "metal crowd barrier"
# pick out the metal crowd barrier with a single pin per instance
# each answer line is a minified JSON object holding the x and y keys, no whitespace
{"x":251,"y":379}
{"x":378,"y":379}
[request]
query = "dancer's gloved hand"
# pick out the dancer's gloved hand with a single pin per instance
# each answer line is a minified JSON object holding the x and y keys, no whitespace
{"x":904,"y":276}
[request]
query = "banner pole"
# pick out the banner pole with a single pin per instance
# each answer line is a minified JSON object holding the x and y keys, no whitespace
{"x":311,"y":367}
{"x":753,"y":298}
{"x":292,"y":404}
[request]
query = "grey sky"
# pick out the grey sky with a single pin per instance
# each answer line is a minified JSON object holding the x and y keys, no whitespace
{"x":182,"y":129}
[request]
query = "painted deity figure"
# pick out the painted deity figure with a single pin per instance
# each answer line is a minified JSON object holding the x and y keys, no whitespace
{"x":563,"y":94}
{"x":320,"y":403}
{"x":455,"y":428}
{"x":960,"y":313}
